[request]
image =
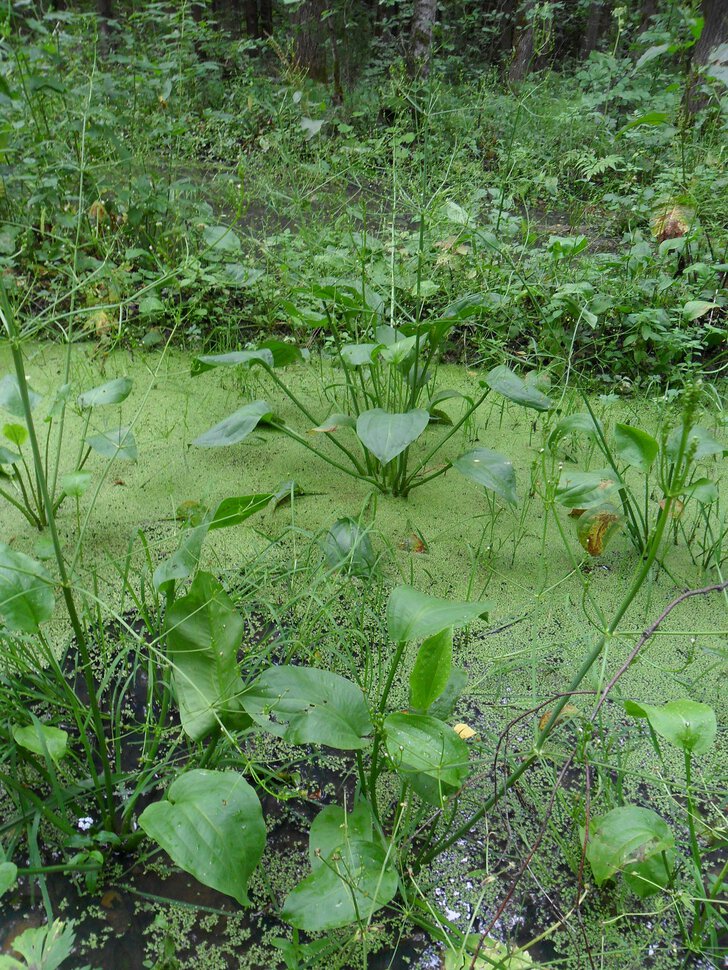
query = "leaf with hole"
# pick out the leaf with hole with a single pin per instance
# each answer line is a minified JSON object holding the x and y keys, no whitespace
{"x":488,"y":468}
{"x":387,"y":435}
{"x":113,"y":392}
{"x":304,"y":705}
{"x":687,"y":724}
{"x":26,"y":591}
{"x":236,"y":427}
{"x":412,"y":615}
{"x":211,"y":825}
{"x":204,"y":633}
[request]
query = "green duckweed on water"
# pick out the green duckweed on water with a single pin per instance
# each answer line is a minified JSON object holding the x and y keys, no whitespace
{"x":449,"y":539}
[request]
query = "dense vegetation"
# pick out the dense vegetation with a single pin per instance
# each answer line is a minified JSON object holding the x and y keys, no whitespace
{"x":362,"y":500}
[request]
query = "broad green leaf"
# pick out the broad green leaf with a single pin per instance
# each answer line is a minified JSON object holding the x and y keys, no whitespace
{"x":183,"y":561}
{"x":17,"y":434}
{"x":116,"y":443}
{"x":76,"y":483}
{"x":333,"y":423}
{"x":283,"y":352}
{"x":59,"y":402}
{"x":686,"y":724}
{"x":443,"y":706}
{"x":492,"y":955}
{"x":356,"y":881}
{"x":239,"y":358}
{"x":650,"y":54}
{"x":236,"y":427}
{"x":8,"y":457}
{"x":503,"y":380}
{"x":113,"y":392}
{"x":700,"y":441}
{"x":650,"y":118}
{"x":347,"y":545}
{"x":220,"y":241}
{"x":311,"y":127}
{"x":584,"y":490}
{"x":431,"y":671}
{"x":703,"y":491}
{"x":8,"y":876}
{"x":26,"y":591}
{"x":387,"y":435}
{"x":651,"y":876}
{"x":204,"y":633}
{"x":581,"y":422}
{"x":42,"y":948}
{"x":624,"y":838}
{"x":234,"y":510}
{"x":10,"y":398}
{"x":412,"y":615}
{"x":635,"y":447}
{"x":35,"y":737}
{"x":694,"y":309}
{"x":304,"y":705}
{"x":488,"y":468}
{"x":419,"y":743}
{"x":334,"y":826}
{"x":211,"y":825}
{"x":359,"y":355}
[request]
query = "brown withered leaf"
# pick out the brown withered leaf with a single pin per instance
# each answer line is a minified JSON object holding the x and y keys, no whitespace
{"x":568,"y":711}
{"x":596,"y":527}
{"x":676,"y":509}
{"x":464,"y":731}
{"x":413,"y":543}
{"x":671,"y":221}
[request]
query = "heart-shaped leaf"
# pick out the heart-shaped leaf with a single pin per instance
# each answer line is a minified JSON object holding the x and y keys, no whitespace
{"x":635,"y":447}
{"x":387,"y":435}
{"x":625,"y":838}
{"x":204,"y":632}
{"x":356,"y":881}
{"x":10,"y":397}
{"x":490,"y":469}
{"x":503,"y":380}
{"x":239,"y":358}
{"x":700,"y":441}
{"x":417,"y":743}
{"x":348,"y":546}
{"x":116,"y":443}
{"x":26,"y":591}
{"x":236,"y":427}
{"x":686,"y":724}
{"x":304,"y":705}
{"x":412,"y":615}
{"x":113,"y":392}
{"x":584,"y":490}
{"x":583,"y":423}
{"x":39,"y":738}
{"x":211,"y":825}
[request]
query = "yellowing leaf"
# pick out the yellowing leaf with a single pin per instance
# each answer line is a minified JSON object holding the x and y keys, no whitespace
{"x":567,"y":711}
{"x":464,"y":731}
{"x":596,"y":527}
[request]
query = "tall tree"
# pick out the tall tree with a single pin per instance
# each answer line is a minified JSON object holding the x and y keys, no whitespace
{"x":105,"y":10}
{"x":311,"y":39}
{"x":523,"y":50}
{"x":423,"y":20}
{"x":715,"y":30}
{"x":594,"y":21}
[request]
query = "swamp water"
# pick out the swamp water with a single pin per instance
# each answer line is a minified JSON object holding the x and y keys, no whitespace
{"x":441,"y":540}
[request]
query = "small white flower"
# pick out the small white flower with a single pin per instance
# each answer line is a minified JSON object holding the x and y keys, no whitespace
{"x":85,"y":824}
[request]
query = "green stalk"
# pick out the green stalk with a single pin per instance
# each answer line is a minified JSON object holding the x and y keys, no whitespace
{"x":586,"y":666}
{"x":67,"y":590}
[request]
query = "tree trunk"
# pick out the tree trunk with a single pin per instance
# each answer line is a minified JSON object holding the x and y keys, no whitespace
{"x":593,"y":27}
{"x":423,"y":20}
{"x":715,"y":33}
{"x":649,"y":9}
{"x":105,"y":10}
{"x":266,"y":18}
{"x":310,"y":39}
{"x":251,"y":18}
{"x":715,"y":30}
{"x":508,"y":17}
{"x":523,"y":55}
